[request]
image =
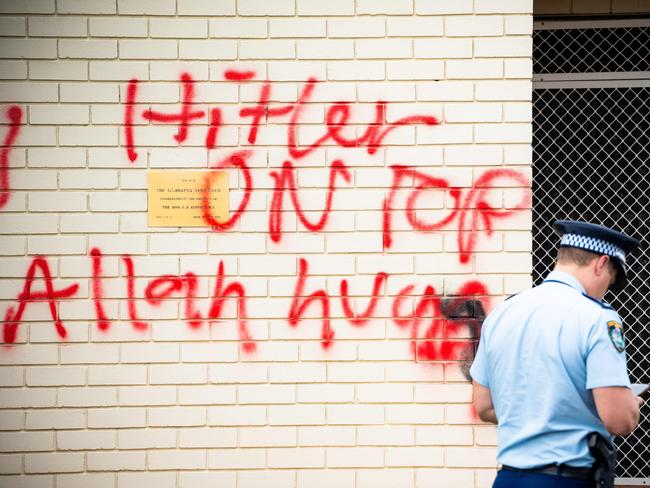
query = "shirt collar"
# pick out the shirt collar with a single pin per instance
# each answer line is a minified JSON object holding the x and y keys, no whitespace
{"x":567,"y":279}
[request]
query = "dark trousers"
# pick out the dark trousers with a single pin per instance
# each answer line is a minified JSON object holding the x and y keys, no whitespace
{"x":519,"y":479}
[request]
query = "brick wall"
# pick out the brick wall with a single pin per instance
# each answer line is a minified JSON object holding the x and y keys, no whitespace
{"x":378,"y":155}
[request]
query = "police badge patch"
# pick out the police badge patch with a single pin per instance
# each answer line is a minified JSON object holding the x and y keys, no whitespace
{"x":615,"y":331}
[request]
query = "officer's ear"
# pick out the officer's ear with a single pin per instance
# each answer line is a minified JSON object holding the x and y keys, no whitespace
{"x":602,"y":264}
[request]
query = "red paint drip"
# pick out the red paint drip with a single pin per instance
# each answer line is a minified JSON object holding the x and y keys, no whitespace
{"x":15,"y":115}
{"x":27,"y":297}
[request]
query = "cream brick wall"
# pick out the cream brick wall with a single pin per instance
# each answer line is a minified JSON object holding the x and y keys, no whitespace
{"x":328,"y":363}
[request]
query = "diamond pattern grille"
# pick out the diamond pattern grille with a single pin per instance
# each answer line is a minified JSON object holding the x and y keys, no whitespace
{"x":591,"y":156}
{"x":591,"y":50}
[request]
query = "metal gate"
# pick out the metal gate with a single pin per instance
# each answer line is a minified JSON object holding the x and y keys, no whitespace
{"x":591,"y":161}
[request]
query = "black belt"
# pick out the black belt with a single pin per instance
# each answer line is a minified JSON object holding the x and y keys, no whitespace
{"x":555,"y":470}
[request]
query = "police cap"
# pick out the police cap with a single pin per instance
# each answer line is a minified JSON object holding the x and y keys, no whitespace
{"x":599,"y":239}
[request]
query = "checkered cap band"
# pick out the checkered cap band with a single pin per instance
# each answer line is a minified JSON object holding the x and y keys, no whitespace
{"x":594,"y":245}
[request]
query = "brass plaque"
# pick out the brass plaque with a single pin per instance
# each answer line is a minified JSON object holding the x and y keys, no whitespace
{"x":180,"y":198}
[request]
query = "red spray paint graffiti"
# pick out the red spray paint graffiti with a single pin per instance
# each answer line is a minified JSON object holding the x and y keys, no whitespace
{"x":336,"y":120}
{"x":286,"y":180}
{"x":470,"y":210}
{"x":192,"y":315}
{"x":28,"y":296}
{"x":359,"y":320}
{"x":444,"y":319}
{"x":235,"y":160}
{"x":440,"y":328}
{"x":220,"y":295}
{"x":15,"y":116}
{"x":129,"y":108}
{"x":299,"y":305}
{"x":213,"y":130}
{"x":338,"y":117}
{"x":102,"y":320}
{"x":262,"y":111}
{"x":235,"y":75}
{"x":185,"y":286}
{"x":131,"y":301}
{"x":185,"y":116}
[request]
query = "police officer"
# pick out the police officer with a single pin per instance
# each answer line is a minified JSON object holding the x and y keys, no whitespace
{"x":550,"y":367}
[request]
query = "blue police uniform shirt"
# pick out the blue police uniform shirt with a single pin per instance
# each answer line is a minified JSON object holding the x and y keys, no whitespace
{"x":541,"y":353}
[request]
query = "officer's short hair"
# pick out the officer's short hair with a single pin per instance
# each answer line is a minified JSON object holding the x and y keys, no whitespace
{"x":581,"y":257}
{"x":573,"y":255}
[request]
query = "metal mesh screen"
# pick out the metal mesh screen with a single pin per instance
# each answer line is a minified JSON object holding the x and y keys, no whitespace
{"x":591,"y":156}
{"x":591,"y":50}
